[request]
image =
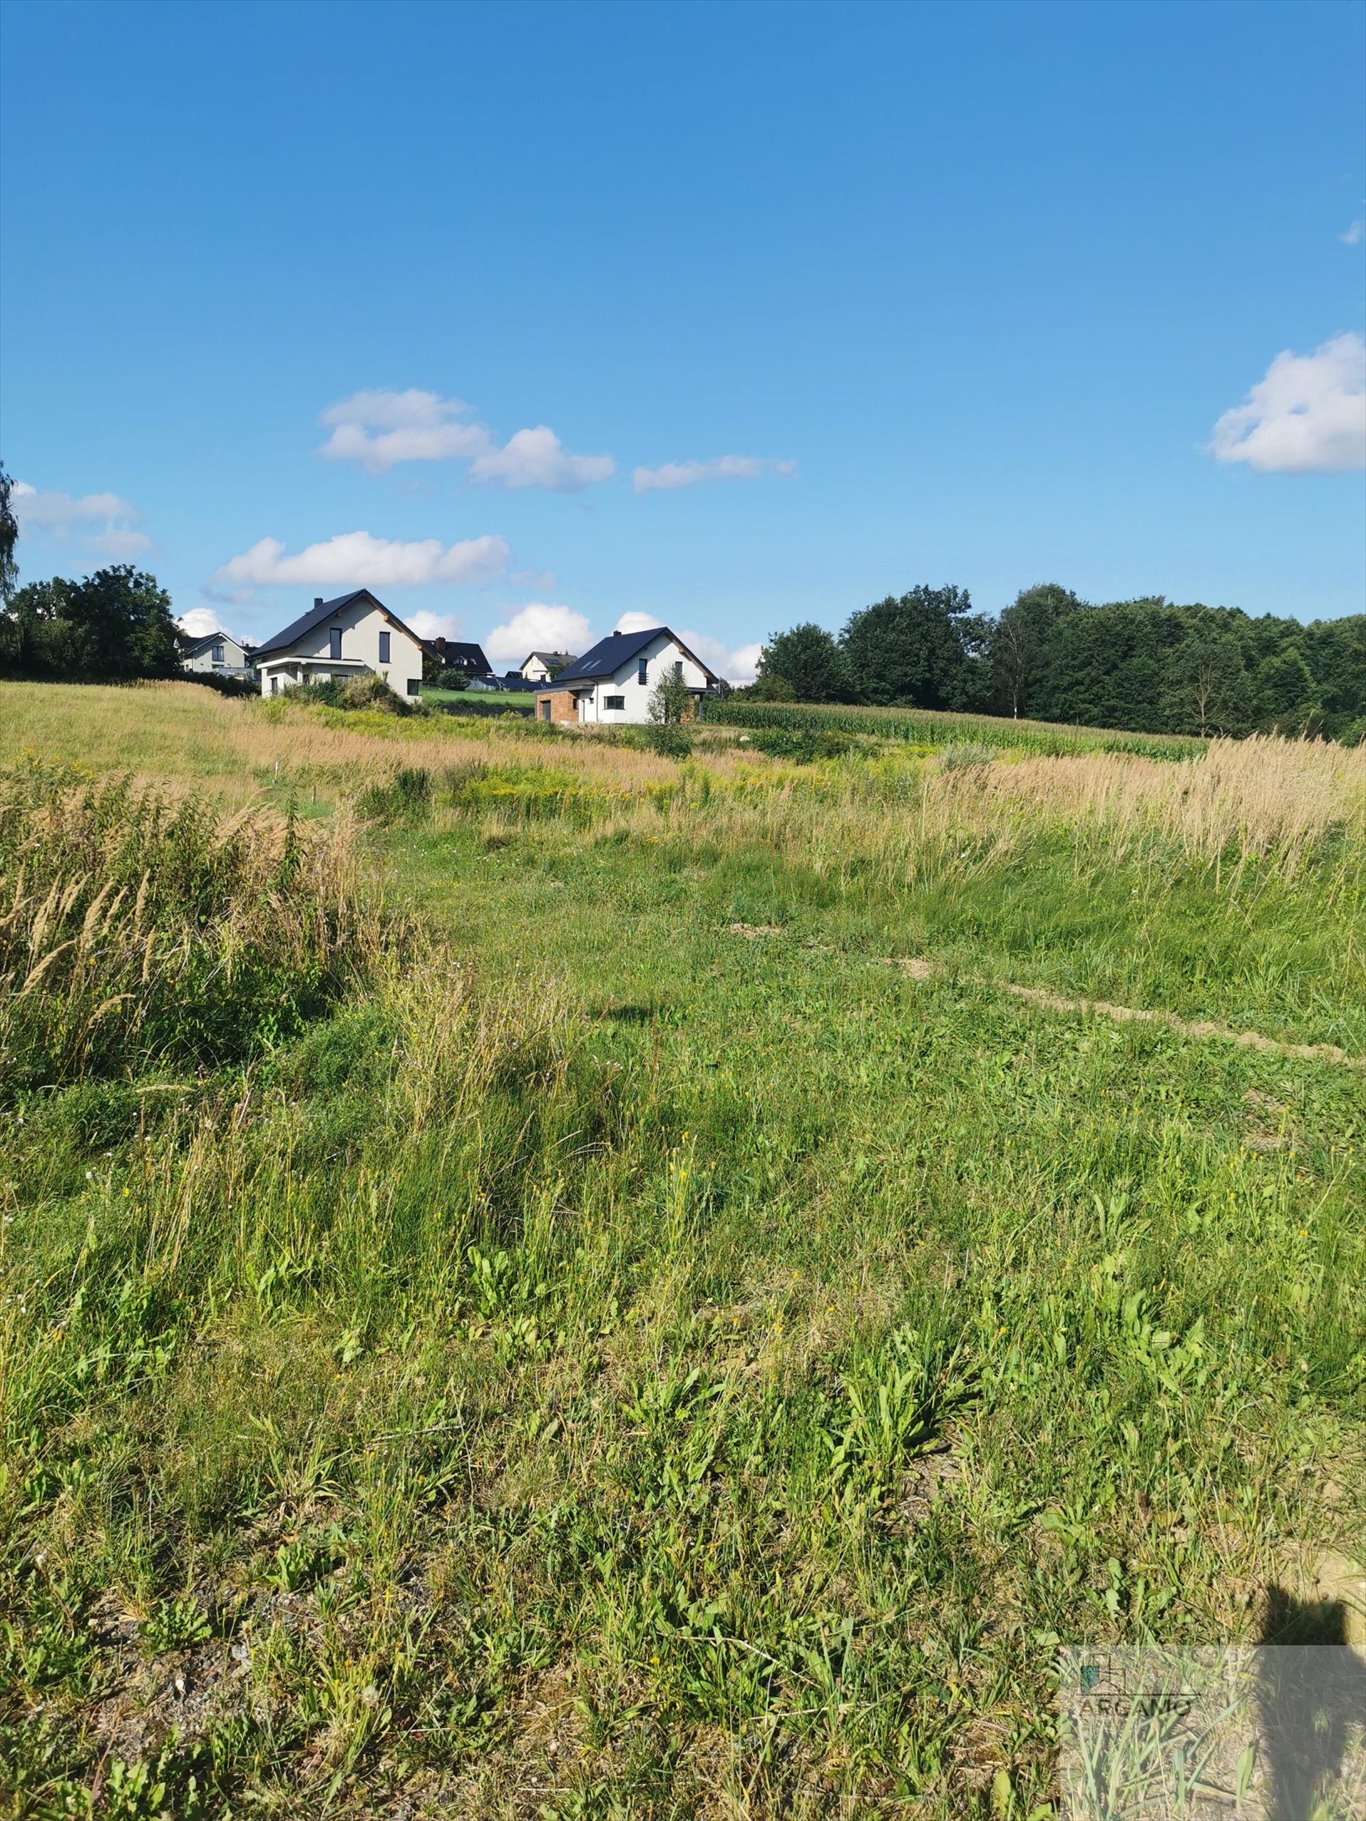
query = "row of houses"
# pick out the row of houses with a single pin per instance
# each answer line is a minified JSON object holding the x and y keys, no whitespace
{"x":357,"y":635}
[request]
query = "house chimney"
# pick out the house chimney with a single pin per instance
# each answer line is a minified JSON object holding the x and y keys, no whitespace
{"x":317,"y":601}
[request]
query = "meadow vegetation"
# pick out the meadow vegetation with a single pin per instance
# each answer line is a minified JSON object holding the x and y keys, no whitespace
{"x":546,"y":1280}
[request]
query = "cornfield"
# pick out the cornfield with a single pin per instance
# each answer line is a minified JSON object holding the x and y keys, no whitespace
{"x":939,"y":729}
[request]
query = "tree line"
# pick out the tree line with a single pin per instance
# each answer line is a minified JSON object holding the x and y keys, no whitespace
{"x":112,"y":626}
{"x":1146,"y":665}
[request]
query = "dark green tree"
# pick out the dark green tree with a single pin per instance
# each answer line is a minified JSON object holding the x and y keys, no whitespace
{"x":35,"y":637}
{"x":122,"y":618}
{"x":114,"y":625}
{"x":1106,"y":666}
{"x":808,"y":663}
{"x":9,"y":537}
{"x":1020,"y":646}
{"x":1206,"y":688}
{"x":1335,"y":651}
{"x":914,"y":649}
{"x":1284,"y":697}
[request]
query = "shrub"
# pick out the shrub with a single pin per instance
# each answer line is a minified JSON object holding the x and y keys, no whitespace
{"x":406,"y":797}
{"x":490,"y":707}
{"x":960,"y":753}
{"x":225,"y":686}
{"x":357,"y":692}
{"x":803,"y":744}
{"x":669,"y":739}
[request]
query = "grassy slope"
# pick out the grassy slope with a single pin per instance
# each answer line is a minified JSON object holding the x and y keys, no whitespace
{"x":490,"y":1411}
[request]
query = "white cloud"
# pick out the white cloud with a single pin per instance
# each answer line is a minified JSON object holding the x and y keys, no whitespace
{"x":537,"y":627}
{"x":382,"y":409}
{"x":379,"y":428}
{"x":719,"y":468}
{"x":199,"y":622}
{"x":428,"y":625}
{"x":1354,"y":234}
{"x":1307,"y":415}
{"x":535,"y":458}
{"x":355,"y":559}
{"x":120,"y":541}
{"x":107,"y":524}
{"x":738,"y":666}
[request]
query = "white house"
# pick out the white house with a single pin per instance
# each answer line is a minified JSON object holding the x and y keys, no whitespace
{"x":352,"y":635}
{"x":612,"y":684}
{"x":541,"y":666}
{"x":216,"y":654}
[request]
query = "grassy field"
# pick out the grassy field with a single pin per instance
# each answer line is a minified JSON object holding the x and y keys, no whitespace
{"x":546,"y":1281}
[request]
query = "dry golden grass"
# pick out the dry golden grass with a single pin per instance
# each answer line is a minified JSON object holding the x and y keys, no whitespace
{"x":132,"y":927}
{"x":1262,"y":796}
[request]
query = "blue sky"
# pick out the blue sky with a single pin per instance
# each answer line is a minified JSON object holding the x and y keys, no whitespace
{"x":723,"y":315}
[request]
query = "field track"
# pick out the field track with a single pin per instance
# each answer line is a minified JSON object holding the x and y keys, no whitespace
{"x":918,"y":968}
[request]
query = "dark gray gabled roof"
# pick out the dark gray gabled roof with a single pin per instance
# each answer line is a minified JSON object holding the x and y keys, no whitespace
{"x":191,"y":648}
{"x":324,"y":610}
{"x":457,"y":651}
{"x":550,"y":657}
{"x":618,"y":648}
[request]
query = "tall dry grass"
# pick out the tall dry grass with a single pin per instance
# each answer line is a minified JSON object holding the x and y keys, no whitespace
{"x":135,"y":930}
{"x":1273,"y":799}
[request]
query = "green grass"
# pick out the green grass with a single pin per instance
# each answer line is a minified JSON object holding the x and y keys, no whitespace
{"x":478,"y":704}
{"x":612,"y":1362}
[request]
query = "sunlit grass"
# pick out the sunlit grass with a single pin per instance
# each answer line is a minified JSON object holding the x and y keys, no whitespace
{"x":629,"y":1349}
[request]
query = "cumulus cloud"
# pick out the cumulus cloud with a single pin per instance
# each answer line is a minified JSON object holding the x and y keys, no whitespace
{"x":737,"y":666}
{"x":718,"y":468}
{"x":355,"y":559}
{"x":1354,"y":234}
{"x":378,"y":428}
{"x":106,"y":523}
{"x":536,"y":458}
{"x":428,"y":625}
{"x":1307,"y":415}
{"x":539,"y":626}
{"x":199,"y":622}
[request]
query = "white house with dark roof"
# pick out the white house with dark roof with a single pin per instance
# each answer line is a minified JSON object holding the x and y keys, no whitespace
{"x":216,"y":654}
{"x":542,"y":666}
{"x":352,"y":635}
{"x":611,"y":685}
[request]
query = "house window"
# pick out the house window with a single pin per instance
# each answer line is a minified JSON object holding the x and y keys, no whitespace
{"x":614,"y":701}
{"x":274,"y":684}
{"x":216,"y":655}
{"x":384,"y":648}
{"x":678,"y":670}
{"x":334,"y":641}
{"x":414,"y":685}
{"x":643,"y":670}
